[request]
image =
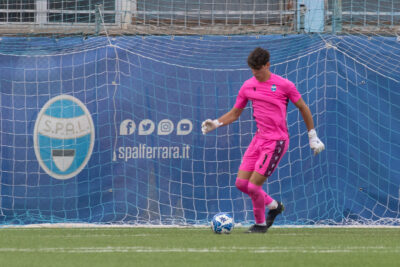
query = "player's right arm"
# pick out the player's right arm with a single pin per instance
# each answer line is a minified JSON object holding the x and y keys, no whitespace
{"x":229,"y":117}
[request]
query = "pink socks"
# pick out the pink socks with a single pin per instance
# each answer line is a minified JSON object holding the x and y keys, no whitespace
{"x":258,"y":196}
{"x":242,"y":185}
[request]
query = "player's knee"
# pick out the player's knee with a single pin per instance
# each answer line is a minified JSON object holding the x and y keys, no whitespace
{"x":241,"y":184}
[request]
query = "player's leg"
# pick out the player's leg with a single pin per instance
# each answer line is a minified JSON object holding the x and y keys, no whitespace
{"x":245,"y":172}
{"x":275,"y":154}
{"x":247,"y":166}
{"x":253,"y":159}
{"x":272,"y":152}
{"x":258,"y":198}
{"x":242,"y":183}
{"x":242,"y":180}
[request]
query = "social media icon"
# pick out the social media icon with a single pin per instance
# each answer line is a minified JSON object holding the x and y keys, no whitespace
{"x":146,"y":127}
{"x":127,"y":127}
{"x":184,"y":127}
{"x":165,"y":127}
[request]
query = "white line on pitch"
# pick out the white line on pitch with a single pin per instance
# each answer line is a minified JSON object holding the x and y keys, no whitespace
{"x":109,"y":249}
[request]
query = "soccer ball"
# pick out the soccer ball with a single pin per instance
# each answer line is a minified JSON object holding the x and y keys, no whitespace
{"x":222,"y":223}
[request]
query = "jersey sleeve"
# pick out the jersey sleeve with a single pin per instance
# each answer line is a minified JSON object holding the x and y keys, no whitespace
{"x":292,"y":92}
{"x":241,"y":99}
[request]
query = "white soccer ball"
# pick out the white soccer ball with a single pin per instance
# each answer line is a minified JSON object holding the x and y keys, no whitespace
{"x":222,"y":223}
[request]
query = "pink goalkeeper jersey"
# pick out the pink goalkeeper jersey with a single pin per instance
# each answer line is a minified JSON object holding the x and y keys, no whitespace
{"x":270,"y":100}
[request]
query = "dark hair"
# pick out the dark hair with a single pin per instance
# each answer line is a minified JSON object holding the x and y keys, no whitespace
{"x":258,"y":58}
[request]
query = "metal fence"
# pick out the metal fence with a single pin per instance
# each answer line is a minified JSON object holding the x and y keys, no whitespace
{"x":356,"y":13}
{"x":127,"y":14}
{"x":214,"y":12}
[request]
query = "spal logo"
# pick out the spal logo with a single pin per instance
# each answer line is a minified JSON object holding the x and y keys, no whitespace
{"x":63,"y":137}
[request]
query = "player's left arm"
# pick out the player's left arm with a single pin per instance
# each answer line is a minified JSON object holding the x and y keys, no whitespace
{"x":315,"y":143}
{"x":305,"y":113}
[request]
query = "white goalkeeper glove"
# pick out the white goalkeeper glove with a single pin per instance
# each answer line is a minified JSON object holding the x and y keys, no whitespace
{"x":210,"y":125}
{"x":315,"y":143}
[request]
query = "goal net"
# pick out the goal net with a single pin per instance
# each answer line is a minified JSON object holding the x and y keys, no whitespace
{"x":101,"y":104}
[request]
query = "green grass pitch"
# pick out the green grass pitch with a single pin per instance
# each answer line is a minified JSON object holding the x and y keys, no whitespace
{"x":199,"y":247}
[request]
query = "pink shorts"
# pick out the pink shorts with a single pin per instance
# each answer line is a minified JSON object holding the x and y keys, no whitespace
{"x":263,"y":155}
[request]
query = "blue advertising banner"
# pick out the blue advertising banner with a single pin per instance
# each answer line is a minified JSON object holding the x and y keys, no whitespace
{"x":109,"y":130}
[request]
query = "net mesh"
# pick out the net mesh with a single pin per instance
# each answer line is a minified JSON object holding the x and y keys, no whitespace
{"x":149,"y":72}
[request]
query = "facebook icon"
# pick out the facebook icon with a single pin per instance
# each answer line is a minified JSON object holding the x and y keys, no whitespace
{"x":127,"y":127}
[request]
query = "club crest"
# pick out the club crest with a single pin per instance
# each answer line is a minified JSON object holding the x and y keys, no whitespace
{"x":273,"y":88}
{"x":63,"y":137}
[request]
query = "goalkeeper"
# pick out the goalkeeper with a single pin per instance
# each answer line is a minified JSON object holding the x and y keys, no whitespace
{"x":270,"y":95}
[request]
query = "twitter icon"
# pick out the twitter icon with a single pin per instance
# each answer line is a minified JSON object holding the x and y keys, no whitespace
{"x":146,"y":127}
